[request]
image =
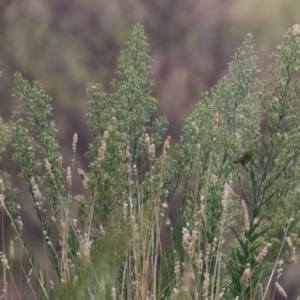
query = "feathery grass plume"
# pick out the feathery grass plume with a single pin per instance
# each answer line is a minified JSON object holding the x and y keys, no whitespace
{"x":1,"y":186}
{"x":74,"y":142}
{"x":263,"y":253}
{"x":147,"y":143}
{"x":69,"y":177}
{"x":205,"y":287}
{"x":152,"y":151}
{"x":84,"y":178}
{"x":186,"y":240}
{"x":245,"y":216}
{"x":292,"y":249}
{"x":226,"y":196}
{"x":11,"y":250}
{"x":36,"y":191}
{"x":4,"y":261}
{"x":246,"y":275}
{"x":49,"y":170}
{"x":280,"y":290}
{"x":166,"y":145}
{"x":19,"y":224}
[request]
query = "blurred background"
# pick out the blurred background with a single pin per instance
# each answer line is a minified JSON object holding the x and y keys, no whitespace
{"x":65,"y":44}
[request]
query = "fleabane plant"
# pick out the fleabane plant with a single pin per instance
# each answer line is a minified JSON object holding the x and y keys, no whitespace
{"x":269,"y":200}
{"x":149,"y":226}
{"x":224,"y":123}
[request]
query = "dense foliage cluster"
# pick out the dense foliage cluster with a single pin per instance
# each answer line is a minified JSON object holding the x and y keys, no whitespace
{"x":153,"y":226}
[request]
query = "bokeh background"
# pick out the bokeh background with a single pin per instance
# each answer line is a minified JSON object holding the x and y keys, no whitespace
{"x":65,"y":44}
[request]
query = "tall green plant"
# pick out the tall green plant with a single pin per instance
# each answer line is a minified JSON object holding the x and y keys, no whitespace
{"x":119,"y":122}
{"x":272,"y":194}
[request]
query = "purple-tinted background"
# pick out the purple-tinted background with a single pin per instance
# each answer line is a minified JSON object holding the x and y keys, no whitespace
{"x":65,"y":44}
